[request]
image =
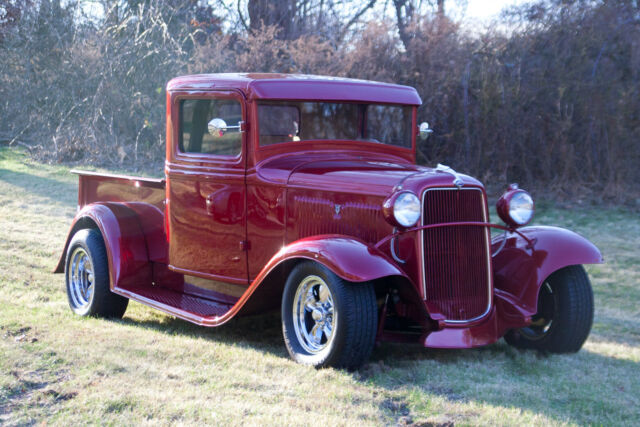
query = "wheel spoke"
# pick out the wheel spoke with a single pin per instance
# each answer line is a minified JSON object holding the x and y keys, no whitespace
{"x":310,"y":304}
{"x":89,"y":270}
{"x":75,"y":278}
{"x":327,"y":331}
{"x":323,"y":293}
{"x":316,"y":333}
{"x":74,"y":269}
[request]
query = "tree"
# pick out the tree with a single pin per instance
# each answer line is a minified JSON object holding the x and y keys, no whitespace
{"x":407,"y":11}
{"x":10,"y":13}
{"x":329,"y":19}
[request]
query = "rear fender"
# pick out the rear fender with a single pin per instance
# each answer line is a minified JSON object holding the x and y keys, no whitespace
{"x":125,"y":238}
{"x":520,"y":267}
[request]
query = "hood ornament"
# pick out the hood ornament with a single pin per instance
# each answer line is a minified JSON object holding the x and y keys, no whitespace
{"x":337,"y":208}
{"x":457,"y":180}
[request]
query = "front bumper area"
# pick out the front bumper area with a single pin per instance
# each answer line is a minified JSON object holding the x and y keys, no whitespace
{"x":505,"y":312}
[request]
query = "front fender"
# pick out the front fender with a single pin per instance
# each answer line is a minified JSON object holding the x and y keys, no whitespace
{"x":124,"y":239}
{"x":520,"y":267}
{"x":350,"y":258}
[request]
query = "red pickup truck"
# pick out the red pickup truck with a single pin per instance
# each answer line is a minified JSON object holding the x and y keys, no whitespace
{"x":302,"y":192}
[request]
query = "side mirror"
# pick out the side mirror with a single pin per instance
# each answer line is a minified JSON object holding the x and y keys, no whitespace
{"x":425,"y":131}
{"x":217,"y":127}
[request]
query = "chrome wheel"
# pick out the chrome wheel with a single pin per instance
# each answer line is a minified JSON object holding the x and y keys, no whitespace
{"x":80,"y":279}
{"x":314,"y":315}
{"x":327,"y":321}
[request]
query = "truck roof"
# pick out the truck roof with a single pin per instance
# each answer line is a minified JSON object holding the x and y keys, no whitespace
{"x":299,"y":87}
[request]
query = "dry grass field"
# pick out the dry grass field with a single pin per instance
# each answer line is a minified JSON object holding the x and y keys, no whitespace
{"x":149,"y":368}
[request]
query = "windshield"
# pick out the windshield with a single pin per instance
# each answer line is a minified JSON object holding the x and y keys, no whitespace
{"x":286,"y":121}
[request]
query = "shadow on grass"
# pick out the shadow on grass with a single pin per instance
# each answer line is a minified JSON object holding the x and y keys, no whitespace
{"x":260,"y":332}
{"x":455,"y":375}
{"x":52,"y":189}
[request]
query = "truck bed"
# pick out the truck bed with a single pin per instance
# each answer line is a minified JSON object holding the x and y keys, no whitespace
{"x":183,"y":296}
{"x":104,"y":187}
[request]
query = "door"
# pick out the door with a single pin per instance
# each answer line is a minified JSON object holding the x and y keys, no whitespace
{"x":206,"y":187}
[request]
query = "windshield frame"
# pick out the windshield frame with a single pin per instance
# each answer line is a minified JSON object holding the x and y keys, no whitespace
{"x":350,"y":143}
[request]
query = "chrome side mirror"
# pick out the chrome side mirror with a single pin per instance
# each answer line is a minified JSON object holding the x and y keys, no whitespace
{"x":218,"y":127}
{"x":425,"y":131}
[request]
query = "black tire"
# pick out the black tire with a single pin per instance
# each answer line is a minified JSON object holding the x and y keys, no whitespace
{"x":87,"y":280}
{"x":565,"y":314}
{"x":353,"y":333}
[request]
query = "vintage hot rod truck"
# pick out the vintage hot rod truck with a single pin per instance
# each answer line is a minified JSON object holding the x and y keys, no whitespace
{"x":302,"y":192}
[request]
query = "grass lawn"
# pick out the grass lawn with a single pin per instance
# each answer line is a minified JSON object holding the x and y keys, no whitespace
{"x":149,"y":368}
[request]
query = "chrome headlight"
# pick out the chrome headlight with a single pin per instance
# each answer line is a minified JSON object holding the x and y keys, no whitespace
{"x":515,"y":207}
{"x":402,"y":209}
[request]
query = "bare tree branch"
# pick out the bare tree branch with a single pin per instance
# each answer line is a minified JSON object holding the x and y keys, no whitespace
{"x":242,"y":19}
{"x":355,"y":19}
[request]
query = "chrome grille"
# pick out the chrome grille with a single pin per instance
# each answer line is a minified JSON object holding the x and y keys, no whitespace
{"x":456,"y":259}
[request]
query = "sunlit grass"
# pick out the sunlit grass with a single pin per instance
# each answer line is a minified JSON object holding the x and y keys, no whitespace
{"x":150,"y":368}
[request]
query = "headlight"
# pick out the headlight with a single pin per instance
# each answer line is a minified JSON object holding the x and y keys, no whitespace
{"x":402,"y":209}
{"x":515,"y":207}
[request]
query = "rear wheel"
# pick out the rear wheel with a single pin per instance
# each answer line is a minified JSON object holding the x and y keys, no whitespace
{"x":565,"y":314}
{"x":327,"y":321}
{"x":87,"y":277}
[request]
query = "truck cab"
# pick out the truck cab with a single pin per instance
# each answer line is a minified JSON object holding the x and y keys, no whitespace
{"x":303,"y":193}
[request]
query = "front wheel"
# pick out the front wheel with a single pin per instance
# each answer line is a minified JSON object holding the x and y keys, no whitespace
{"x":327,"y":321}
{"x":565,"y":314}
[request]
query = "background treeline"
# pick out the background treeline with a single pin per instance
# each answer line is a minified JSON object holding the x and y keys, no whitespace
{"x":548,"y":96}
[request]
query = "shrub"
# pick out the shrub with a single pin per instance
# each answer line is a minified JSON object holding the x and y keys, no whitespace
{"x":553,"y":102}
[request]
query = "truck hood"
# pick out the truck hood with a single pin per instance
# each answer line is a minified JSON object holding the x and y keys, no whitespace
{"x":357,"y":174}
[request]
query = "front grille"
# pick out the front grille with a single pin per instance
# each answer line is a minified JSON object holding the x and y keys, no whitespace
{"x":456,"y":258}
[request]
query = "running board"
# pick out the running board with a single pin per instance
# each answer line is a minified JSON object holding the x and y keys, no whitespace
{"x":195,"y":309}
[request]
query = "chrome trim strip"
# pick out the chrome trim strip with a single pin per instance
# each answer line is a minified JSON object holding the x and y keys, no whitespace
{"x":487,"y":242}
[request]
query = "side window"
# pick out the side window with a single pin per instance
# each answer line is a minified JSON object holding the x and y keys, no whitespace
{"x":278,"y":123}
{"x":389,"y":124}
{"x":195,"y":135}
